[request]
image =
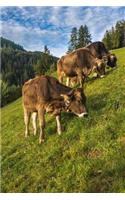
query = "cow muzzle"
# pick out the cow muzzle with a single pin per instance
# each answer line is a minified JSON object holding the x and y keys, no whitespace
{"x":82,"y":115}
{"x":102,"y":76}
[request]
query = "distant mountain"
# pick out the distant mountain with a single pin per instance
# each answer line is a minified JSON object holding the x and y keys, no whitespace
{"x":5,"y":43}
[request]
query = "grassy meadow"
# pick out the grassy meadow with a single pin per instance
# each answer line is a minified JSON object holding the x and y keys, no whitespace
{"x":89,"y":156}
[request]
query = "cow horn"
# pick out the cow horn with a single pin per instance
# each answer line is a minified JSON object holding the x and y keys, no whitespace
{"x":71,"y":93}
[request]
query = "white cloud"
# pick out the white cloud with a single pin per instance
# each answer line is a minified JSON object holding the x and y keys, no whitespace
{"x":28,"y":37}
{"x":33,"y":27}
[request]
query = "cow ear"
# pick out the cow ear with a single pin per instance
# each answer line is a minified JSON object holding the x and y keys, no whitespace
{"x":96,"y":62}
{"x":105,"y":58}
{"x":77,"y":93}
{"x":66,"y":99}
{"x":94,"y":68}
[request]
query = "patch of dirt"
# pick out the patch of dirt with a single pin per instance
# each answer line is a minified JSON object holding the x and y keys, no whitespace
{"x":94,"y":153}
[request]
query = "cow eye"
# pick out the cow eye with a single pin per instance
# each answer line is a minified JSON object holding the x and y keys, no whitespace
{"x":79,"y":101}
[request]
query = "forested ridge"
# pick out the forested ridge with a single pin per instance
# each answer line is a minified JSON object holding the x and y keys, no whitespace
{"x":19,"y":65}
{"x":5,"y":43}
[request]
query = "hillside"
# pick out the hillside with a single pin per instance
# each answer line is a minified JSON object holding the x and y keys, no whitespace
{"x":10,"y":44}
{"x":88,"y":157}
{"x":19,"y":65}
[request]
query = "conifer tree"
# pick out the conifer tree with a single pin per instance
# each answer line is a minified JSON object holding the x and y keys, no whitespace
{"x":84,"y":37}
{"x":115,"y":37}
{"x":108,"y":40}
{"x":46,"y":50}
{"x":73,"y":40}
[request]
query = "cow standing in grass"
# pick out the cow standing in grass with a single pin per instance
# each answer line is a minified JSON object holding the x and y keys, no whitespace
{"x":80,"y":63}
{"x":45,"y":94}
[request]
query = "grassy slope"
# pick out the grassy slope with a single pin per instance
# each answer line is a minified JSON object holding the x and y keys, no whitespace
{"x":88,"y":157}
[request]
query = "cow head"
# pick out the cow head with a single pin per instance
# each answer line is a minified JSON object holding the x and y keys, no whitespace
{"x":99,"y":67}
{"x":112,"y":60}
{"x":75,"y":102}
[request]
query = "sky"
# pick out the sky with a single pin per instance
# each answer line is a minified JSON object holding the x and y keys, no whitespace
{"x":34,"y":27}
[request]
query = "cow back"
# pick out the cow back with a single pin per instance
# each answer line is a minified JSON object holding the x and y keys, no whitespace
{"x":42,"y":90}
{"x":98,"y":49}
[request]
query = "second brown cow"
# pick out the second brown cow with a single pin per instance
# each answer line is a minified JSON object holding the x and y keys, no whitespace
{"x":79,"y":63}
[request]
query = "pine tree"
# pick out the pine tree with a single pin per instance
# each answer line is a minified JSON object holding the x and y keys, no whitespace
{"x":120,"y":29}
{"x":108,"y":40}
{"x":46,"y":50}
{"x":115,"y":38}
{"x":84,"y":37}
{"x":73,"y":40}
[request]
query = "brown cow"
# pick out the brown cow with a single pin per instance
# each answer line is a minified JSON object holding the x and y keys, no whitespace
{"x":45,"y":94}
{"x":79,"y":63}
{"x":99,"y":50}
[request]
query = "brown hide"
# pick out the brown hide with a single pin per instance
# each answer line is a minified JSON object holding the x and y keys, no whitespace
{"x":98,"y":49}
{"x":80,"y":59}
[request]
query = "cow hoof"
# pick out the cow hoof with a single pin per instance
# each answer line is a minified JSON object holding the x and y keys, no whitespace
{"x":26,"y":135}
{"x":59,"y":133}
{"x":102,"y":76}
{"x":41,"y":141}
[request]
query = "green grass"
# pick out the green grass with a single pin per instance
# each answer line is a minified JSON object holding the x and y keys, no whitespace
{"x":88,"y":157}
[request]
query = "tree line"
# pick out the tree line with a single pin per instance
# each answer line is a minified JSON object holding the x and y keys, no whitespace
{"x":113,"y":38}
{"x":79,"y":38}
{"x":7,"y":43}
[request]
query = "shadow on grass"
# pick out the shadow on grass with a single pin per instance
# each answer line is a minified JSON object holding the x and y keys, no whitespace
{"x":92,"y":79}
{"x":97,"y":102}
{"x":66,"y":118}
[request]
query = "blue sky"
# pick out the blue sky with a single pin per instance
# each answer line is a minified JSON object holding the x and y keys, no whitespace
{"x":34,"y":27}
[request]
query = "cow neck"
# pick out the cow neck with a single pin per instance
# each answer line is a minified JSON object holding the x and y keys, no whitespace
{"x":59,"y":88}
{"x":63,"y":89}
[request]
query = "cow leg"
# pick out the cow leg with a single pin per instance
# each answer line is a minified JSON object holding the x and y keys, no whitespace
{"x":81,"y":81}
{"x":59,"y":129}
{"x":34,"y":121}
{"x":68,"y":81}
{"x":80,"y":76}
{"x":26,"y":121}
{"x":61,"y":79}
{"x":41,"y":116}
